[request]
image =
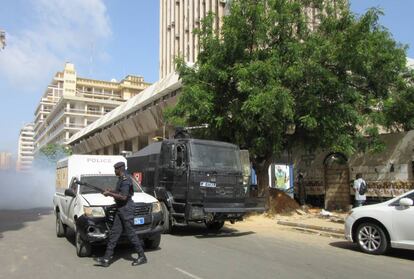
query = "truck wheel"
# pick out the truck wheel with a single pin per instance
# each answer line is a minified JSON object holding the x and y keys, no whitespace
{"x":83,"y":248}
{"x":214,"y":225}
{"x":60,"y":227}
{"x":167,"y":220}
{"x":152,"y":243}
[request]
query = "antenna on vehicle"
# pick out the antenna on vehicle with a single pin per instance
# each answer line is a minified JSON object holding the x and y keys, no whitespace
{"x":183,"y":132}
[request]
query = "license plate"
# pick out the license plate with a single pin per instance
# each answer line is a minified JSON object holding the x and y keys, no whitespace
{"x":207,"y":184}
{"x":139,"y":221}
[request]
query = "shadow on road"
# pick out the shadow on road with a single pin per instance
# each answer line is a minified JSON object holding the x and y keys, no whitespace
{"x":200,"y":231}
{"x":13,"y":220}
{"x":395,"y":253}
{"x":123,"y":250}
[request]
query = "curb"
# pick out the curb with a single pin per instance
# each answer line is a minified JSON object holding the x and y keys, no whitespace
{"x":321,"y":233}
{"x":312,"y":227}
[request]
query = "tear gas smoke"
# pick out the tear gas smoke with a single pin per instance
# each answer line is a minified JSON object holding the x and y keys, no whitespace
{"x":25,"y":190}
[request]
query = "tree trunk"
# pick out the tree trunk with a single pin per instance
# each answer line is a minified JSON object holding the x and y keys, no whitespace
{"x":263,"y":181}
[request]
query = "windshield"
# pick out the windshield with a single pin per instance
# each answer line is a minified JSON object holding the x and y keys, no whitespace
{"x":102,"y":182}
{"x":214,"y":157}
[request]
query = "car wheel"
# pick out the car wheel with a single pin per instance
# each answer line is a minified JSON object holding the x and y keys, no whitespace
{"x":167,"y":220}
{"x":371,"y":239}
{"x":214,"y":225}
{"x":83,"y":248}
{"x":152,"y":243}
{"x":60,"y":227}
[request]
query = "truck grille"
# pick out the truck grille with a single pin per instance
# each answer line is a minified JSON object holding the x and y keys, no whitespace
{"x":139,"y":210}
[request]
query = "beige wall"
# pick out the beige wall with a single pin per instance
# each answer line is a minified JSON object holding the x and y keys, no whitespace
{"x":388,"y":173}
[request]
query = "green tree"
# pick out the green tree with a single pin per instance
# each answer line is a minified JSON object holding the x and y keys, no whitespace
{"x":49,"y":154}
{"x":270,"y":80}
{"x":399,"y":107}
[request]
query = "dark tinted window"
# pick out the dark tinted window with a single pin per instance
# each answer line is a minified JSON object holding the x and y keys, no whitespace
{"x":215,"y":156}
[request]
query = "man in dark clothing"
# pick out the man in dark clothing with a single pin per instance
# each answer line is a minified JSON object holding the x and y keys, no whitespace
{"x":123,"y":218}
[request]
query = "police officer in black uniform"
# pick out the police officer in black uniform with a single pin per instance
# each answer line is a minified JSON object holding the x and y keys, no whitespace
{"x":123,"y":218}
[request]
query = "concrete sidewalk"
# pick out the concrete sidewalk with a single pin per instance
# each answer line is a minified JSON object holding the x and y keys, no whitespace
{"x":314,"y":222}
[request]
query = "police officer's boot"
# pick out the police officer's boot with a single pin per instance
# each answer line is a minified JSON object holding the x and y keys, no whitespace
{"x":140,"y":260}
{"x":102,"y":261}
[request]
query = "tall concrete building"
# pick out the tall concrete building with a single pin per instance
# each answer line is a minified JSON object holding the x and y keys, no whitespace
{"x":25,"y":148}
{"x":6,"y":161}
{"x":71,"y":103}
{"x":178,"y":19}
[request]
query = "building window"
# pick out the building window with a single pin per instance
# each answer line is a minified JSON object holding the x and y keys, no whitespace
{"x":116,"y":149}
{"x":142,"y":141}
{"x":128,"y":145}
{"x":105,"y":151}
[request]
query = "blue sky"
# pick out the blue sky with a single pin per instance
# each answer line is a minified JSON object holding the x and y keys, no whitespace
{"x":105,"y":39}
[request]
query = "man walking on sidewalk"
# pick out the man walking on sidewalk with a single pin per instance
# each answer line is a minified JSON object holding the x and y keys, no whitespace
{"x":360,"y":196}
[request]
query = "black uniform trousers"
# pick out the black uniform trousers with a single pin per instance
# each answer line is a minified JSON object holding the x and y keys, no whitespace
{"x":120,"y":224}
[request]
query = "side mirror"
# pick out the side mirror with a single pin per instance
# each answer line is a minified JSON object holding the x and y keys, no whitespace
{"x":70,"y":193}
{"x":406,"y":202}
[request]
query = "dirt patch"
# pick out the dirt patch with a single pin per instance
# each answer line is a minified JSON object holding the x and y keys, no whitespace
{"x":266,"y":225}
{"x":281,"y":203}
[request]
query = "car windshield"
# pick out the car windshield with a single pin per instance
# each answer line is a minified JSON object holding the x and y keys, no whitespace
{"x":214,"y":157}
{"x":102,"y":182}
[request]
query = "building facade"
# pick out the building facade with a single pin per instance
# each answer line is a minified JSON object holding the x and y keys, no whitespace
{"x":71,"y":103}
{"x":6,"y":161}
{"x":25,"y":148}
{"x":178,"y":19}
{"x":131,"y":126}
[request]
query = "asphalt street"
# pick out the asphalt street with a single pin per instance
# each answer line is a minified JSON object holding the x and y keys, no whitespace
{"x":29,"y":248}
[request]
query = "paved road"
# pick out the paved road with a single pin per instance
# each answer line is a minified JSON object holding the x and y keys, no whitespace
{"x":30,"y":249}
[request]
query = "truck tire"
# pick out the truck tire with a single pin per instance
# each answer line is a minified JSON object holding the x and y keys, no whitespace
{"x":167,"y":219}
{"x":60,"y":227}
{"x":214,"y":225}
{"x":152,"y":243}
{"x":83,"y":248}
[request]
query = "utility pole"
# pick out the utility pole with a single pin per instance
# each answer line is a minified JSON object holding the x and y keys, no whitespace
{"x":2,"y":39}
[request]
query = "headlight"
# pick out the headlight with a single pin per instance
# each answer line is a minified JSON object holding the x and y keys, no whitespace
{"x":94,"y":211}
{"x":156,"y":207}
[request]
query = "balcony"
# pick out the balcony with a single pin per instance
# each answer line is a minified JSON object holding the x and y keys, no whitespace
{"x":98,"y":95}
{"x":74,"y":126}
{"x":83,"y":112}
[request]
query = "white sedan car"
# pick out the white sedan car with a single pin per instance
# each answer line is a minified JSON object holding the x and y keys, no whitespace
{"x":375,"y":228}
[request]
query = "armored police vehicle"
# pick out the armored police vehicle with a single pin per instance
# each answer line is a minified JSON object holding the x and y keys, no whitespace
{"x":80,"y":206}
{"x":195,"y":181}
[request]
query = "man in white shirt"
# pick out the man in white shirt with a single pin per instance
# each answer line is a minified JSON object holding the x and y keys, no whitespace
{"x":359,"y":199}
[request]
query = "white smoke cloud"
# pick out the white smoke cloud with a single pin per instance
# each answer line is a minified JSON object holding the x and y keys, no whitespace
{"x":61,"y":30}
{"x":20,"y":190}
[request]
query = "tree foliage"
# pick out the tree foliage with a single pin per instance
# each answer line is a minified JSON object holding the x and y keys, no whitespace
{"x":270,"y":69}
{"x":49,"y":154}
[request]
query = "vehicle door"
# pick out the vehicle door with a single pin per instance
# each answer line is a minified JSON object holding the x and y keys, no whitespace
{"x":180,"y":184}
{"x":69,"y":203}
{"x":403,"y":224}
{"x":167,"y":166}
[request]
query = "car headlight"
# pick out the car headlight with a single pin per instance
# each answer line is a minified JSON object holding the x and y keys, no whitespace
{"x":94,"y":211}
{"x":156,"y":207}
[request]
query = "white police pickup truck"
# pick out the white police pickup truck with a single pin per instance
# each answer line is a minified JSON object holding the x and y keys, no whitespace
{"x":89,"y":213}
